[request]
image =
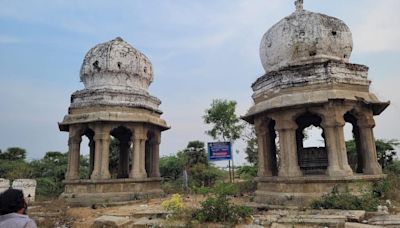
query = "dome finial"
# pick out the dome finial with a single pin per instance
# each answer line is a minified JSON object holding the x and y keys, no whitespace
{"x":299,"y":5}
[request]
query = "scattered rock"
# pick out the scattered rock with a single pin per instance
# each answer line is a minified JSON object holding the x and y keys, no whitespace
{"x":111,"y":222}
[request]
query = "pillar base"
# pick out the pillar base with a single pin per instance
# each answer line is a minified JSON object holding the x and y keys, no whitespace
{"x":336,"y":172}
{"x":88,"y":192}
{"x":301,"y":191}
{"x":372,"y":169}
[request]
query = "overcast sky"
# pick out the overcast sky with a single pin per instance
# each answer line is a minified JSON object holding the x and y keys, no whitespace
{"x":200,"y":50}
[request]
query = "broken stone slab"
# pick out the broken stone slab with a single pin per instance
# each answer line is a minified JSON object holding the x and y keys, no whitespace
{"x":266,"y":219}
{"x":249,"y":226}
{"x":4,"y":184}
{"x":112,"y":222}
{"x":145,"y":222}
{"x":358,"y":225}
{"x":371,"y":214}
{"x":351,"y":215}
{"x":313,"y":220}
{"x":154,"y":213}
{"x":28,"y":187}
{"x":385,"y":220}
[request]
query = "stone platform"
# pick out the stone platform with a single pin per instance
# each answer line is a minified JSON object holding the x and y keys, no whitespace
{"x":301,"y":191}
{"x":88,"y":192}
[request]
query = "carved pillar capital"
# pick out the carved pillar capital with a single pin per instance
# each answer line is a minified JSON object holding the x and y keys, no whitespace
{"x":366,"y":121}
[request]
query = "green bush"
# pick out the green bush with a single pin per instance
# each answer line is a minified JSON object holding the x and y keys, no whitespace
{"x":248,"y":186}
{"x":218,"y":209}
{"x":346,"y":201}
{"x":225,"y":189}
{"x":202,"y":190}
{"x":393,"y":167}
{"x":247,"y":172}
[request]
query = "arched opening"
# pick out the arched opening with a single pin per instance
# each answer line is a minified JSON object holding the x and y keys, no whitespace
{"x":148,"y":154}
{"x":353,"y":146}
{"x":87,"y":152}
{"x":274,"y":148}
{"x":310,"y":139}
{"x":120,"y":151}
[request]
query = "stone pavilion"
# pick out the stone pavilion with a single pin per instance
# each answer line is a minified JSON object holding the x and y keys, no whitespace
{"x":309,"y":81}
{"x":114,"y":105}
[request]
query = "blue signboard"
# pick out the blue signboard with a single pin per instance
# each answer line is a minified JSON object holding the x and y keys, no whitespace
{"x":218,"y":151}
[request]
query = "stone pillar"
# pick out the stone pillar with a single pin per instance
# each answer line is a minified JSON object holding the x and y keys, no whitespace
{"x":138,"y":164}
{"x":97,"y":154}
{"x":105,"y":154}
{"x":286,"y":127}
{"x":74,"y":142}
{"x":260,"y":126}
{"x":367,"y":142}
{"x":124,"y":146}
{"x":156,"y":155}
{"x":333,"y":123}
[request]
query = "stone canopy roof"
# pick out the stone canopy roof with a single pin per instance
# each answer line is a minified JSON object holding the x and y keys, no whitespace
{"x":304,"y":37}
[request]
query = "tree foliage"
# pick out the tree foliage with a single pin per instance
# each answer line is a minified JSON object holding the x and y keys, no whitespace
{"x":385,"y":149}
{"x":226,"y":126}
{"x":171,"y":167}
{"x":13,"y":154}
{"x":194,"y":160}
{"x":48,"y":171}
{"x":194,"y":153}
{"x":251,"y":149}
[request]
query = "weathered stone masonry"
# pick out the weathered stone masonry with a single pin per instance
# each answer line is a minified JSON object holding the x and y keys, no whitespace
{"x":308,"y":81}
{"x":115,"y":103}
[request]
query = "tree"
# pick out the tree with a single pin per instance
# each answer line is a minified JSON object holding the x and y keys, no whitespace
{"x":251,"y":145}
{"x":226,"y":126}
{"x":194,"y":153}
{"x":385,"y":150}
{"x":171,"y":167}
{"x":13,"y":153}
{"x":49,"y":172}
{"x":13,"y":164}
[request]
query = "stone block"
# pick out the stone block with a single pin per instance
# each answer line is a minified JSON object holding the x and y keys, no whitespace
{"x":385,"y":220}
{"x":112,"y":222}
{"x":28,"y":186}
{"x":312,"y":221}
{"x":358,"y":225}
{"x":146,"y":222}
{"x":4,"y":184}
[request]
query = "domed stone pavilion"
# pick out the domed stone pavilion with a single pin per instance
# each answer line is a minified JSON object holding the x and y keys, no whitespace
{"x":114,"y":105}
{"x":310,"y":82}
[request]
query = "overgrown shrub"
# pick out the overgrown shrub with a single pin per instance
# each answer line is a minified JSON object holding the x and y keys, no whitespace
{"x":394,"y":167}
{"x":247,"y":172}
{"x":174,"y":204}
{"x":218,"y":208}
{"x":346,"y":201}
{"x":248,"y":186}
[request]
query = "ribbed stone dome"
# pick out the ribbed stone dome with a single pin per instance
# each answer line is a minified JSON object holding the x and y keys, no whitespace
{"x":116,"y":65}
{"x":305,"y":37}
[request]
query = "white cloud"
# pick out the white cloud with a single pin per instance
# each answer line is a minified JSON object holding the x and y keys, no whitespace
{"x":378,"y":28}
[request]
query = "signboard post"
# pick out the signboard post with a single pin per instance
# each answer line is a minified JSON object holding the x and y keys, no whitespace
{"x":219,"y":151}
